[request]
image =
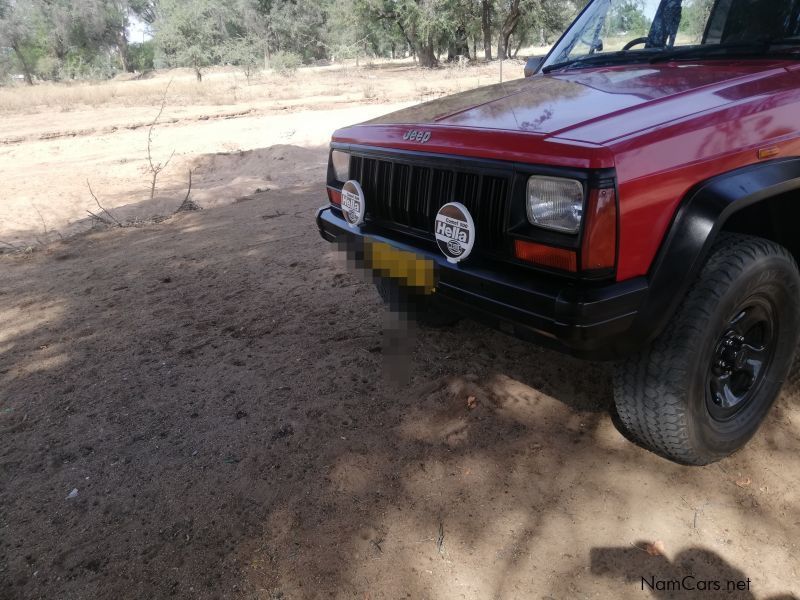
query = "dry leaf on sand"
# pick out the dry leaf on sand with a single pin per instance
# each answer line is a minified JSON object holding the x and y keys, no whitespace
{"x":657,"y":548}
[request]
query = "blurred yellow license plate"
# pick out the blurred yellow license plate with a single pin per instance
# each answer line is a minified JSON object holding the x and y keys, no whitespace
{"x":405,"y":267}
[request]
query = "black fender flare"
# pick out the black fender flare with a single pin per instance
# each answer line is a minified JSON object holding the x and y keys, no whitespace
{"x":695,"y":227}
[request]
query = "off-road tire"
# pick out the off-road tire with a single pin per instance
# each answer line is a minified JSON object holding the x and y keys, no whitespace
{"x":662,"y":394}
{"x":423,"y":309}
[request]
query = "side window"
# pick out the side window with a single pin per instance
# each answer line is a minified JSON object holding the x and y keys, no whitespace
{"x":743,"y":21}
{"x":695,"y":21}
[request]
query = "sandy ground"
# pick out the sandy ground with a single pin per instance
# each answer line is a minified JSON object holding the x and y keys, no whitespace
{"x":199,"y":409}
{"x":235,"y":142}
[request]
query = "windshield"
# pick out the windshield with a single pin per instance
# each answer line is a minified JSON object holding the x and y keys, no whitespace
{"x":631,"y":30}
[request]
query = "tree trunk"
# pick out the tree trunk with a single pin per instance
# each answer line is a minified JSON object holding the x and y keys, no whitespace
{"x":459,"y":46}
{"x":508,"y":27}
{"x":486,"y":25}
{"x":122,"y":47}
{"x":26,"y":70}
{"x":518,"y":47}
{"x":412,"y":46}
{"x":424,"y":49}
{"x":426,"y":52}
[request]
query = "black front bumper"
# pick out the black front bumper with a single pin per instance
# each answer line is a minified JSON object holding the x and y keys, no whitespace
{"x":588,"y":321}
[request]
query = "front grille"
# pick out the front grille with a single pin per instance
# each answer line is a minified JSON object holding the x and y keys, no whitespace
{"x":406,"y":196}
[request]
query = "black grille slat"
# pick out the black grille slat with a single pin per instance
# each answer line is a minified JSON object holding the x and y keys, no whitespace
{"x":419,"y":198}
{"x":384,"y":175}
{"x":403,"y":195}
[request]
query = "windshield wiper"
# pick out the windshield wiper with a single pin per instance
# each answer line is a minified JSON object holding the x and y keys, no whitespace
{"x":592,"y":60}
{"x":762,"y":47}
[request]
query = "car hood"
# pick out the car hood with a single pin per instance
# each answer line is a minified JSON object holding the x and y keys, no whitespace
{"x":594,"y":105}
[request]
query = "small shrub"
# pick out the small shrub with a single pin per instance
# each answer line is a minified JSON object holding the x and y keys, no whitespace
{"x":285,"y":63}
{"x":369,"y":91}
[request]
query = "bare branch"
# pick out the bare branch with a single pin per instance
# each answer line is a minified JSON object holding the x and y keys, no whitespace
{"x":99,"y":218}
{"x":155,"y":169}
{"x":189,"y":191}
{"x":187,"y":204}
{"x":45,"y":229}
{"x":100,"y":206}
{"x":41,"y":218}
{"x":155,"y":122}
{"x":169,"y":160}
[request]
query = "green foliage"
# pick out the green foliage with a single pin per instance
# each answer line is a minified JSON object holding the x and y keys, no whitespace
{"x":694,"y":18}
{"x":77,"y":66}
{"x":141,"y":57}
{"x":245,"y":52}
{"x":75,"y":39}
{"x":54,"y":39}
{"x":146,"y":10}
{"x":628,"y":17}
{"x":285,"y":63}
{"x":297,"y":26}
{"x":192,"y":33}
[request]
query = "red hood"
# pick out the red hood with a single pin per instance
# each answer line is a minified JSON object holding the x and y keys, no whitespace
{"x":589,"y":107}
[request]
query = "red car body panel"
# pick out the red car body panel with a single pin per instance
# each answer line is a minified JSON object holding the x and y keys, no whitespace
{"x":665,"y":128}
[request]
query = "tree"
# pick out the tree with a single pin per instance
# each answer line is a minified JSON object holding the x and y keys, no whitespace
{"x":19,"y":25}
{"x":297,"y":27}
{"x":192,"y":33}
{"x":464,"y":15}
{"x":98,"y":25}
{"x":146,"y":10}
{"x":695,"y":16}
{"x":626,"y":17}
{"x":541,"y":21}
{"x":53,"y":39}
{"x":243,"y":51}
{"x":512,"y":14}
{"x":421,"y":23}
{"x":486,"y":26}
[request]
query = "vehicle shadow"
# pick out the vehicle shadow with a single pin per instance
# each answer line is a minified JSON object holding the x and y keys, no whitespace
{"x":217,"y":179}
{"x":215,"y":389}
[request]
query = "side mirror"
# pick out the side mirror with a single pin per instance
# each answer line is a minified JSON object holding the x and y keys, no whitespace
{"x":533,"y":64}
{"x":597,"y":46}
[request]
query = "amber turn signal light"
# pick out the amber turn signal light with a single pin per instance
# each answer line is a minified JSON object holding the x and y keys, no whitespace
{"x":335,"y":196}
{"x":600,"y":240}
{"x":546,"y":256}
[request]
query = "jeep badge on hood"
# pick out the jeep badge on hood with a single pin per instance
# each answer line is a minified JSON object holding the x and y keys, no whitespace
{"x":417,"y":136}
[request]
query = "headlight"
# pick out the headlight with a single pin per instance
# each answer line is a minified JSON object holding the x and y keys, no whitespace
{"x":341,"y":165}
{"x":555,"y":203}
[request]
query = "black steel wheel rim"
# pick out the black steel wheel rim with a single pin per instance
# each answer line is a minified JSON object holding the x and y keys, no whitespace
{"x":741,"y":359}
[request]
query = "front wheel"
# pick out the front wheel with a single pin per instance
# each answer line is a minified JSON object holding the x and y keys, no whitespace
{"x":703,"y":388}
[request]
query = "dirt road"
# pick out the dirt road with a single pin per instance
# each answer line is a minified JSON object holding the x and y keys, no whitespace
{"x":196,"y":410}
{"x":237,"y":138}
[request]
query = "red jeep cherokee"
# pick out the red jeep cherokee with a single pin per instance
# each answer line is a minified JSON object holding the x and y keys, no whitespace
{"x":634,"y":199}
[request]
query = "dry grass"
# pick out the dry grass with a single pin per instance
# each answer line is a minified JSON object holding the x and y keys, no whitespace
{"x":223,"y":86}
